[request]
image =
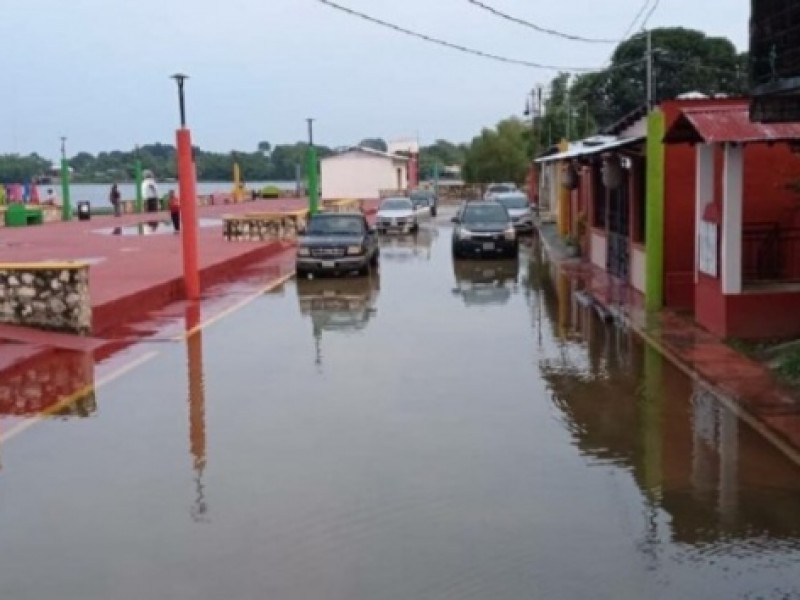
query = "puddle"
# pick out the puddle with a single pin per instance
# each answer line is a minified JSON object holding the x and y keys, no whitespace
{"x":151,"y":228}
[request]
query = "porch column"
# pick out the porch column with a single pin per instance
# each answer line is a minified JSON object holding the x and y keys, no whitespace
{"x":654,"y":258}
{"x":704,"y":195}
{"x":731,"y":248}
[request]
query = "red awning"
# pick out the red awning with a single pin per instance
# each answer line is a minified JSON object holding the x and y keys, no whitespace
{"x":727,"y":124}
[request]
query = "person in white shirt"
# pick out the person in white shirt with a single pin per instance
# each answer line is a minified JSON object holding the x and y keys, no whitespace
{"x":150,"y":192}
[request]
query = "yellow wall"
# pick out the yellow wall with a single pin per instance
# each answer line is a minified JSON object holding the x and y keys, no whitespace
{"x":562,"y":214}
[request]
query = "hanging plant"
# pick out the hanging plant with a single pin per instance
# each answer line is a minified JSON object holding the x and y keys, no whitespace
{"x":612,"y":171}
{"x":570,"y":178}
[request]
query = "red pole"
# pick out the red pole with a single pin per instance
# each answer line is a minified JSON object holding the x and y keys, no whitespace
{"x":188,"y":198}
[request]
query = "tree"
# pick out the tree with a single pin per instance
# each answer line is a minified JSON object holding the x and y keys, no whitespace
{"x":264,"y":147}
{"x":499,"y":154}
{"x":443,"y":154}
{"x":375,"y":144}
{"x":684,"y":60}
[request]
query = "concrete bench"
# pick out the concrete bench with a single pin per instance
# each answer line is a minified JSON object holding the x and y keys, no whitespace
{"x":342,"y":205}
{"x":265,"y":226}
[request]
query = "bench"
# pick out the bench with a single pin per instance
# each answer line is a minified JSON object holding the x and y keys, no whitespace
{"x":342,"y":205}
{"x":19,"y":215}
{"x":265,"y":226}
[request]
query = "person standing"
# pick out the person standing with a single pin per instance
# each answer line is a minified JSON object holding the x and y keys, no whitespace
{"x":116,"y":200}
{"x":150,"y":192}
{"x":174,"y":204}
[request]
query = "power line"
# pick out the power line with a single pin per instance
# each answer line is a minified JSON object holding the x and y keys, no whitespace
{"x":650,"y":14}
{"x":539,"y":28}
{"x":638,"y":16}
{"x":453,"y":46}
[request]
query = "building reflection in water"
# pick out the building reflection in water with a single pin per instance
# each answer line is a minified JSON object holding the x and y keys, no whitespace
{"x":409,"y":247}
{"x":704,"y":478}
{"x":197,"y":409}
{"x":341,"y":304}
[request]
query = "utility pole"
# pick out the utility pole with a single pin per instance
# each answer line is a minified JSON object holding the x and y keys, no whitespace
{"x":649,"y":69}
{"x":311,"y":171}
{"x":66,"y":204}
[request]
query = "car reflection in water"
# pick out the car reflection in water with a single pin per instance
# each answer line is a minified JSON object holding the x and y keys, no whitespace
{"x":486,"y":282}
{"x":409,"y":247}
{"x":338,"y":304}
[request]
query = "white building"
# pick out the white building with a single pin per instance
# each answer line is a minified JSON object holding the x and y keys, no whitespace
{"x":362,"y":173}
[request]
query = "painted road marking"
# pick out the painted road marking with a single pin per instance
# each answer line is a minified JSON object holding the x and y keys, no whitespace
{"x":74,"y":397}
{"x":272,"y":285}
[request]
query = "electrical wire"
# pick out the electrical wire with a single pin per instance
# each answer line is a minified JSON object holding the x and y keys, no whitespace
{"x":650,"y":14}
{"x":638,"y":16}
{"x":454,"y":46}
{"x":539,"y":28}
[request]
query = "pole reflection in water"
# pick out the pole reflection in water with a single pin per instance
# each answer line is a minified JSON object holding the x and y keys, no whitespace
{"x":197,"y":409}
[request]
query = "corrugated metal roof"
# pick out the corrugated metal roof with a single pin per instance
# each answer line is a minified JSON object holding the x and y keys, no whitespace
{"x":593,"y":145}
{"x":727,"y":124}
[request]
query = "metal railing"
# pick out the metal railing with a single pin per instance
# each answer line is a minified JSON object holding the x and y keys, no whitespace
{"x":770,"y":253}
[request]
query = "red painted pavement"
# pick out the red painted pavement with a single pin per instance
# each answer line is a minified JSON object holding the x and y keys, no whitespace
{"x":130,"y":275}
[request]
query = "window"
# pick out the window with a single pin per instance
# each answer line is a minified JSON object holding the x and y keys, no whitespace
{"x":599,"y":207}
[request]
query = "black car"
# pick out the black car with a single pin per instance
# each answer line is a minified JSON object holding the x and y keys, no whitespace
{"x":484,"y":229}
{"x":423,"y":198}
{"x":337,"y":243}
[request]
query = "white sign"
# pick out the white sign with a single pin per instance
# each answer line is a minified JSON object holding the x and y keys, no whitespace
{"x":707,"y":242}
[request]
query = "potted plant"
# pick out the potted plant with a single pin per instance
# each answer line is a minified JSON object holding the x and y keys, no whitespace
{"x":572,"y":246}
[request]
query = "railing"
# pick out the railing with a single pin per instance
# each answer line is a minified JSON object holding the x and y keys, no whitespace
{"x":770,"y":253}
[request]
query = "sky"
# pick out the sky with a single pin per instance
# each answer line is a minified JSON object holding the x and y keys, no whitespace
{"x":97,"y":71}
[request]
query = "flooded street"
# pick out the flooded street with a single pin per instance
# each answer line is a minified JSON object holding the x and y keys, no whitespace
{"x":429,"y":432}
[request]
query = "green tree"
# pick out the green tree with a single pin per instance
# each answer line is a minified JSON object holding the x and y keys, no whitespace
{"x":442,"y":153}
{"x":499,"y":154}
{"x":684,"y":60}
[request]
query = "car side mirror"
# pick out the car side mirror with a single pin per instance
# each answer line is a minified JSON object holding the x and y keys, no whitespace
{"x":455,"y":220}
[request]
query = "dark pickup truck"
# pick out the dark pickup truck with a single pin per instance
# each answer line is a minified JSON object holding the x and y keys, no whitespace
{"x":337,"y":243}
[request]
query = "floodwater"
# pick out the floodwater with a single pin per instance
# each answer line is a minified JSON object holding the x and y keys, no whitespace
{"x":429,"y":432}
{"x":155,"y":227}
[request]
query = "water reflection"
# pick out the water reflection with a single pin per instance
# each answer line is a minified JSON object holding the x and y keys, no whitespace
{"x":343,"y":304}
{"x":197,"y":409}
{"x":486,"y":282}
{"x":718,"y":482}
{"x":51,"y":382}
{"x":409,"y":247}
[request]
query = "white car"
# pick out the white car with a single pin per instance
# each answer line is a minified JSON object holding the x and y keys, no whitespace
{"x":396,"y":214}
{"x":519,"y":209}
{"x":494,"y":189}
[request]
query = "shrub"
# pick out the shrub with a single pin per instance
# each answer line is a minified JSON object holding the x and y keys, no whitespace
{"x":271,"y":191}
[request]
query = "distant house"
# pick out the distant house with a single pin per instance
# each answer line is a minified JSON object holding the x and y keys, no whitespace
{"x":362,"y":173}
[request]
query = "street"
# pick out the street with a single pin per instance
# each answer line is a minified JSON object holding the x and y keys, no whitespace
{"x":429,"y":431}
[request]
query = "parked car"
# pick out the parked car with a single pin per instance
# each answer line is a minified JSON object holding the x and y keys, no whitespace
{"x":484,"y":229}
{"x":519,"y":209}
{"x":337,"y":243}
{"x":499,"y":188}
{"x":396,"y":214}
{"x":425,"y":198}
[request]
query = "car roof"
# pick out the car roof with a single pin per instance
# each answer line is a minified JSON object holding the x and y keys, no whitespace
{"x":395,"y":198}
{"x":514,"y":194}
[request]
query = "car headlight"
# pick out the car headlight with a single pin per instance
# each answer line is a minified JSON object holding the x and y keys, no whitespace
{"x":510,"y":233}
{"x":464,"y":234}
{"x":303,"y":252}
{"x":355,"y":250}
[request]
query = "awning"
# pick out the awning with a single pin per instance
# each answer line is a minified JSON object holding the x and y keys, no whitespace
{"x":727,"y":125}
{"x":594,"y":145}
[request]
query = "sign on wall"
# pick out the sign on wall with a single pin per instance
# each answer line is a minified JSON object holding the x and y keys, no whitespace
{"x":707,"y":245}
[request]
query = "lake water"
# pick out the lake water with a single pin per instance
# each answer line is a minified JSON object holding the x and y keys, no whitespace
{"x":97,"y":193}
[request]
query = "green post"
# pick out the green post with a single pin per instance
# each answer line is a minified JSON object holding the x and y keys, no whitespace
{"x":66,"y":204}
{"x":312,"y":174}
{"x":654,"y":288}
{"x":138,"y":176}
{"x":436,"y":176}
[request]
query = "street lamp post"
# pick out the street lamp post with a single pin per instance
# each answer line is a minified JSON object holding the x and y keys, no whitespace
{"x":66,"y":204}
{"x":312,"y":173}
{"x":188,"y":198}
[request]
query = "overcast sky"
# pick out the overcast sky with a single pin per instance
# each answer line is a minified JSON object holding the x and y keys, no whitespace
{"x":97,"y":70}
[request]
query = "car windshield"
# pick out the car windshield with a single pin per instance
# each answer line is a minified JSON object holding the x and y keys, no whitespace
{"x":500,"y":189}
{"x":485,"y":213}
{"x":519,"y":201}
{"x":396,"y":204}
{"x":420,"y":198}
{"x":336,"y":225}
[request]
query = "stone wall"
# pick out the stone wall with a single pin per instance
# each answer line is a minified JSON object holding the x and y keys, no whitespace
{"x":268,"y":229}
{"x":52,"y":296}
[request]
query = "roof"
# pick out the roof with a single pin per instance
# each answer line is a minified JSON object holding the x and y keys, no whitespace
{"x":592,"y":145}
{"x":363,"y":150}
{"x":727,"y":124}
{"x":625,"y":122}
